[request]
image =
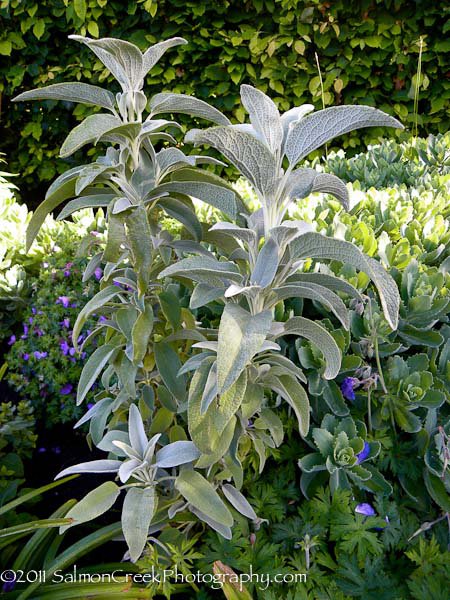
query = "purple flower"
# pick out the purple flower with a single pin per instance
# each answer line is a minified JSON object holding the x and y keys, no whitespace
{"x":42,"y":450}
{"x":90,"y":405}
{"x":72,"y":351}
{"x":365,"y":509}
{"x":117,"y":283}
{"x":30,"y":320}
{"x":347,"y":387}
{"x":102,"y":319}
{"x":25,"y":356}
{"x":361,"y":456}
{"x":38,"y":332}
{"x":12,"y":340}
{"x":98,"y":273}
{"x":38,"y":355}
{"x":65,"y":323}
{"x":33,"y":310}
{"x":64,"y":347}
{"x":67,"y":269}
{"x":66,"y":389}
{"x":64,"y":300}
{"x":73,"y":305}
{"x":25,"y":332}
{"x":8,"y":586}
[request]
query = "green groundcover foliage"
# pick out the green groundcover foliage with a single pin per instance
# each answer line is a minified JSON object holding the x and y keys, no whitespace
{"x":368,"y":54}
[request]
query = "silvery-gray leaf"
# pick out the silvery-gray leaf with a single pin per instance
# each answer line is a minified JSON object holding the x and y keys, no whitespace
{"x":240,"y":233}
{"x":239,"y":501}
{"x":154,"y":53}
{"x":289,"y":230}
{"x":241,"y":336}
{"x":264,"y":116}
{"x":218,"y":196}
{"x":199,"y":492}
{"x":128,"y":468}
{"x":224,"y":531}
{"x":234,"y":290}
{"x":138,"y":509}
{"x":321,"y":338}
{"x":100,"y":406}
{"x":121,"y":205}
{"x":169,"y":159}
{"x":106,"y":443}
{"x":177,"y":453}
{"x":329,"y":281}
{"x":194,"y":363}
{"x":248,"y":128}
{"x":239,"y":254}
{"x":256,"y":222}
{"x":245,"y":152}
{"x":190,"y":247}
{"x":183,"y":104}
{"x":313,"y":131}
{"x":293,"y":115}
{"x":93,"y":466}
{"x":204,"y":294}
{"x":330,"y":184}
{"x":206,"y":346}
{"x":313,"y":291}
{"x":88,"y":175}
{"x":315,"y":245}
{"x":201,"y":267}
{"x":87,"y":131}
{"x":266,"y":264}
{"x":123,"y":59}
{"x":136,"y":431}
{"x":268,"y":345}
{"x":82,"y":93}
{"x":126,"y":449}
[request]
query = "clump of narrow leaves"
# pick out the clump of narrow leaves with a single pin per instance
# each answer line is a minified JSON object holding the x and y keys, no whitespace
{"x":181,"y":404}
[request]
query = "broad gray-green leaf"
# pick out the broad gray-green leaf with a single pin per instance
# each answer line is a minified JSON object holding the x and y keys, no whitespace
{"x":204,"y":294}
{"x":182,"y":212}
{"x":140,"y":333}
{"x":87,"y":131}
{"x":240,"y":503}
{"x":314,"y":130}
{"x":138,"y":510}
{"x":176,"y":453}
{"x":241,"y":336}
{"x":61,"y":189}
{"x":220,"y":197}
{"x":92,"y":369}
{"x":92,"y":466}
{"x":154,"y":53}
{"x":264,"y":116}
{"x":136,"y":431}
{"x":82,"y":93}
{"x":95,"y":303}
{"x":330,"y":184}
{"x":289,"y":388}
{"x":239,"y":233}
{"x":116,"y":238}
{"x":244,"y":151}
{"x":321,"y":338}
{"x":94,"y":201}
{"x":202,"y":268}
{"x":329,"y":281}
{"x":303,"y":182}
{"x":183,"y":104}
{"x":169,"y":364}
{"x":313,"y":291}
{"x":123,"y":59}
{"x":140,"y":240}
{"x":199,"y":492}
{"x":222,"y":529}
{"x":93,"y":504}
{"x":293,"y":115}
{"x":169,"y":159}
{"x":315,"y":245}
{"x":266,"y":264}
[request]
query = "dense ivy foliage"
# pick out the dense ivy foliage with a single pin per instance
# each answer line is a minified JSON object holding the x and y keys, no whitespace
{"x":227,"y":47}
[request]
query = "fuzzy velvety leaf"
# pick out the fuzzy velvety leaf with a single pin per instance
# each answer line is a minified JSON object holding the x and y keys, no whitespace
{"x":181,"y":103}
{"x":169,"y":364}
{"x":241,"y":336}
{"x":266,"y":264}
{"x":92,"y":369}
{"x":82,"y":93}
{"x":203,"y":269}
{"x":199,"y":492}
{"x":264,"y":116}
{"x":95,"y":303}
{"x":93,"y":504}
{"x":140,"y":334}
{"x":154,"y":53}
{"x":93,"y":201}
{"x":138,"y":510}
{"x":93,"y":466}
{"x":315,"y":245}
{"x":314,"y":130}
{"x":220,"y":197}
{"x":89,"y":130}
{"x":239,"y":501}
{"x":176,"y":453}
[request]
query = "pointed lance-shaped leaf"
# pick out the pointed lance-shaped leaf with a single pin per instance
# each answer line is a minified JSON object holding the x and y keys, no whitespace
{"x":89,"y":130}
{"x":181,"y":103}
{"x":177,"y":453}
{"x":138,"y":510}
{"x":92,"y":369}
{"x":317,"y":129}
{"x":82,"y":93}
{"x":264,"y":116}
{"x":155,"y":52}
{"x":199,"y":492}
{"x":93,"y":466}
{"x":93,"y":504}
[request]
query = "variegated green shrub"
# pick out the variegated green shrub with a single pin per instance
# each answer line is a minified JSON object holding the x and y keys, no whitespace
{"x":177,"y":442}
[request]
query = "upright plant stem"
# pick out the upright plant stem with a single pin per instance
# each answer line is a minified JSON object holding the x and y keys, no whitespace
{"x":321,"y":93}
{"x":417,"y":89}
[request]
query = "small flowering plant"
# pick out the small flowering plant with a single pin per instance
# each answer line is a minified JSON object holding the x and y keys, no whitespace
{"x":42,"y":362}
{"x":343,"y":454}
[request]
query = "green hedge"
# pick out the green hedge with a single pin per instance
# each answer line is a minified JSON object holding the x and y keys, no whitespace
{"x":368,"y":52}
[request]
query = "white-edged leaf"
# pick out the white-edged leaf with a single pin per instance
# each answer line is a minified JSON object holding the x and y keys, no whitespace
{"x":92,"y":369}
{"x":92,"y":466}
{"x":138,"y":510}
{"x":317,"y":129}
{"x":199,"y":492}
{"x":293,"y":115}
{"x":239,"y":501}
{"x":82,"y":93}
{"x":241,"y":336}
{"x":177,"y":453}
{"x":326,"y":183}
{"x":136,"y":431}
{"x":93,"y":504}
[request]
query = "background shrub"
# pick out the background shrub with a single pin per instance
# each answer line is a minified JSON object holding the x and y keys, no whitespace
{"x":368,"y":54}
